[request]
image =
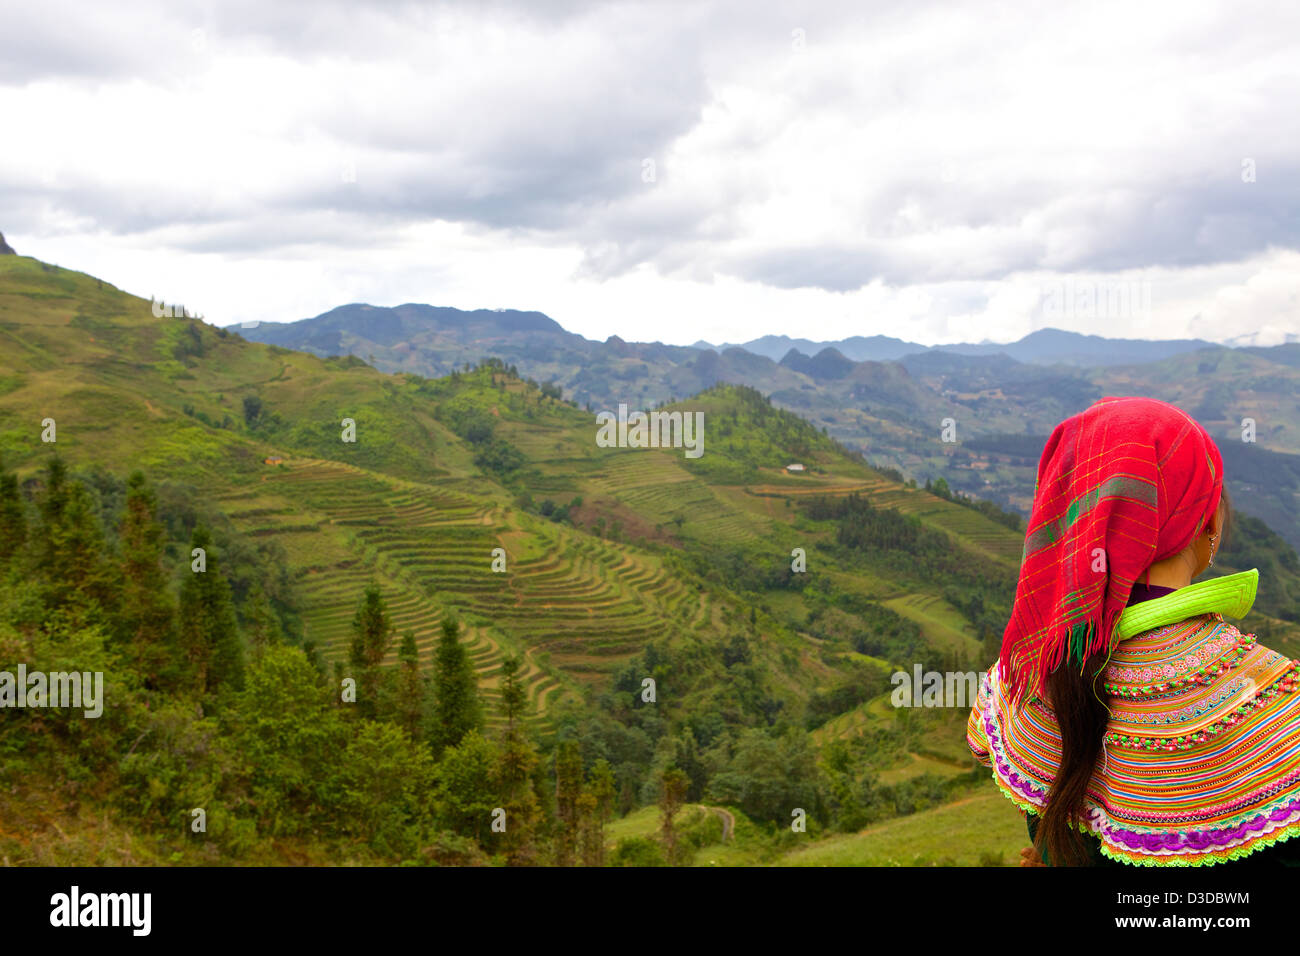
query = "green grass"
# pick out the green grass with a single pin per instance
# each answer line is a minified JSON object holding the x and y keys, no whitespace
{"x":977,"y":830}
{"x":980,"y":829}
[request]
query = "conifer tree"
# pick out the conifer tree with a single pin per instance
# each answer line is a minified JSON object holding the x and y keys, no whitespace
{"x":603,"y":788}
{"x":71,"y":554}
{"x":513,"y":697}
{"x":260,"y":623}
{"x":410,"y":686}
{"x":55,"y":498}
{"x":372,"y":632}
{"x":515,"y":770}
{"x":568,"y":790}
{"x":209,"y":633}
{"x":455,"y":690}
{"x":146,"y":616}
{"x":591,"y":831}
{"x":604,"y":791}
{"x":13,"y":519}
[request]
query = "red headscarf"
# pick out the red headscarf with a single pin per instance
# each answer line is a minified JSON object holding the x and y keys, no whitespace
{"x":1122,"y":485}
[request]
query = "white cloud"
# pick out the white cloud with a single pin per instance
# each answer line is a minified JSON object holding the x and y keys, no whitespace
{"x":915,"y":170}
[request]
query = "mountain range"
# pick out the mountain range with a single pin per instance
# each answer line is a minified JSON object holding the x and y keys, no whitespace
{"x":881,"y":396}
{"x":1045,"y":346}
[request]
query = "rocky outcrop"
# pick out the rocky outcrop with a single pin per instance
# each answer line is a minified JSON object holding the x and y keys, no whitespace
{"x":5,"y":249}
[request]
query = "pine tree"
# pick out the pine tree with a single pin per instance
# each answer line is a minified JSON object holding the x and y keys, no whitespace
{"x":568,"y":790}
{"x":591,"y":832}
{"x":146,"y":616}
{"x":260,"y":623}
{"x":515,"y":770}
{"x":13,"y":519}
{"x":513,"y":697}
{"x":71,"y":554}
{"x":410,"y":686}
{"x":372,"y":632}
{"x":455,"y":690}
{"x":55,"y":498}
{"x":604,"y":788}
{"x":209,"y":632}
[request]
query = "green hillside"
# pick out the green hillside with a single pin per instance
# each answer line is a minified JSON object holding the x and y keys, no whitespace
{"x":769,"y":606}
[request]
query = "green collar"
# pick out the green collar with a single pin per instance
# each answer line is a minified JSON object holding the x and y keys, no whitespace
{"x":1232,"y":594}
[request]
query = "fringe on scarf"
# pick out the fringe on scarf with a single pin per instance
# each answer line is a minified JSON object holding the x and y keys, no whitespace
{"x":1084,"y":639}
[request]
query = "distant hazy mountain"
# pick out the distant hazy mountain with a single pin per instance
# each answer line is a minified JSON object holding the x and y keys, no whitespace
{"x":871,"y":348}
{"x":333,"y":332}
{"x":827,"y":365}
{"x":1046,"y":346}
{"x":1049,"y":346}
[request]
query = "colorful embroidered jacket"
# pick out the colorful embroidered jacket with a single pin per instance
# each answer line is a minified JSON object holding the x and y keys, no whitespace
{"x":1201,"y":762}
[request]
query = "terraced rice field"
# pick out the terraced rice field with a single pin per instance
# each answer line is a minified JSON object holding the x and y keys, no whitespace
{"x":851,"y":723}
{"x":660,"y":487}
{"x":837,"y":485}
{"x":575,"y":605}
{"x":974,"y":528}
{"x":942,"y":626}
{"x":980,"y":532}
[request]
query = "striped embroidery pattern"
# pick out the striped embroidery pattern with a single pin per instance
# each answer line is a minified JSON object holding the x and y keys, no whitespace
{"x":1203,"y":773}
{"x":1174,"y":656}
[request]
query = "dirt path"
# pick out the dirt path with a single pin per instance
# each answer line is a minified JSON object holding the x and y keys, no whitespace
{"x":728,"y":820}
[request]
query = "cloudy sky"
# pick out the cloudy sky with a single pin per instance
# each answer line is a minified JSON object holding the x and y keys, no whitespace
{"x":665,"y":171}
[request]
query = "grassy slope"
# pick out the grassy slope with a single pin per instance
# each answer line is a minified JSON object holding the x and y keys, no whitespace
{"x":977,"y":830}
{"x":982,"y":828}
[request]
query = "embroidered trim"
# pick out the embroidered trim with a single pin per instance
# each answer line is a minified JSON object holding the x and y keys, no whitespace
{"x":1191,"y":711}
{"x":1285,"y":684}
{"x":1236,"y":649}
